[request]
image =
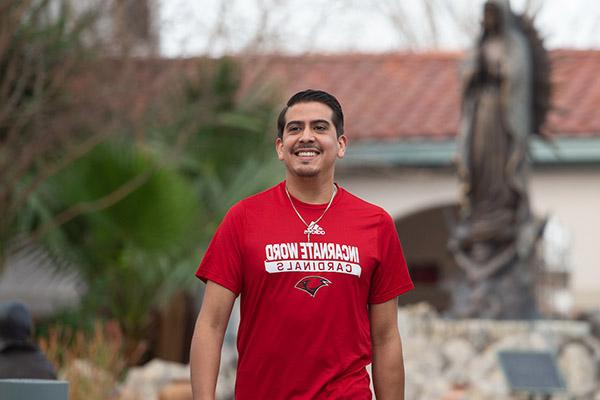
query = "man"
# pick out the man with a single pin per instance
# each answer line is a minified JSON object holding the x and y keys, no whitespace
{"x":318,"y":271}
{"x":20,"y":358}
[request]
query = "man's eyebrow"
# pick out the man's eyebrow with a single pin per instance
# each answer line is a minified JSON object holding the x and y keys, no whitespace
{"x":312,"y":122}
{"x":320,"y":121}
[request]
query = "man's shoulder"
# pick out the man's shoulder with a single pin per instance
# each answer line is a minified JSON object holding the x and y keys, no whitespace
{"x":359,"y":203}
{"x":260,"y":199}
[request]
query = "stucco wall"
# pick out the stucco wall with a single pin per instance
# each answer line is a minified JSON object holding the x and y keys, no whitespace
{"x":572,"y":195}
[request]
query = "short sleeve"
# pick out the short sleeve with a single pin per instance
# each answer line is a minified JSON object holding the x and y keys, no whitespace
{"x":391,"y":277}
{"x":222,"y":260}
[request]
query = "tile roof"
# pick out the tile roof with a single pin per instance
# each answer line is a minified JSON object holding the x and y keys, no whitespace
{"x":416,"y":95}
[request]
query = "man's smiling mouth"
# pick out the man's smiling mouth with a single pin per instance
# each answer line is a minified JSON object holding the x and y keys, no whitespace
{"x":307,"y":153}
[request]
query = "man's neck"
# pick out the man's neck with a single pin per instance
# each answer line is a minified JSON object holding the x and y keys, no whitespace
{"x":310,"y":190}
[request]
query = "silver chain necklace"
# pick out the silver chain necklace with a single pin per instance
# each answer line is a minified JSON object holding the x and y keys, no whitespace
{"x":312,"y":228}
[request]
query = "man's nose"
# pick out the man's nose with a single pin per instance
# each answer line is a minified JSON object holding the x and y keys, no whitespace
{"x":307,"y":134}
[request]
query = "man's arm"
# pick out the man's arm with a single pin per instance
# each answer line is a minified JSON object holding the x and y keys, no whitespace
{"x":205,"y":352}
{"x":388,"y":363}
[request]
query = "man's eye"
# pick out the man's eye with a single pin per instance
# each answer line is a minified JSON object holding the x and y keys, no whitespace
{"x":293,"y":129}
{"x":320,"y":128}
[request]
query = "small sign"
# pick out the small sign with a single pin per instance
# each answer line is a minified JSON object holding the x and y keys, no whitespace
{"x":531,"y":371}
{"x":39,"y":389}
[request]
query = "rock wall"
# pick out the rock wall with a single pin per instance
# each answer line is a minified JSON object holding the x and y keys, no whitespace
{"x":444,"y":359}
{"x":457,"y":359}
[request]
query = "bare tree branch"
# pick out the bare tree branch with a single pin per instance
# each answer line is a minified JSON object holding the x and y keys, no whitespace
{"x":431,"y":21}
{"x":465,"y":20}
{"x":396,"y":14}
{"x":51,"y":170}
{"x":532,"y":8}
{"x":220,"y":29}
{"x":118,"y":194}
{"x":93,"y":206}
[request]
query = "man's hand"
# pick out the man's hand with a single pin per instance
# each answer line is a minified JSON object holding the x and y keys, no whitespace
{"x":205,"y":352}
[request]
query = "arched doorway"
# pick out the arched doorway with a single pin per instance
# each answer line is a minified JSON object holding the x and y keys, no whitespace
{"x":424,"y":236}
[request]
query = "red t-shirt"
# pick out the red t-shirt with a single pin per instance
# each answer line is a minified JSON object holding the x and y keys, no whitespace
{"x":304,"y":330}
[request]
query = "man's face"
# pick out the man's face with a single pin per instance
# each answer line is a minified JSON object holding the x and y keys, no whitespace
{"x":309,"y":146}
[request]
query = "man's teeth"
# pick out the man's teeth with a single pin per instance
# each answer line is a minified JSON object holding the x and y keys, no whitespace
{"x":307,"y":153}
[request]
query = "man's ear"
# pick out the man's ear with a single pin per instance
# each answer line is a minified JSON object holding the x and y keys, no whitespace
{"x":342,"y":145}
{"x":279,"y":148}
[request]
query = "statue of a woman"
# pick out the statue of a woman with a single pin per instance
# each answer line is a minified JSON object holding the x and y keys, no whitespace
{"x":496,"y":234}
{"x":495,"y":127}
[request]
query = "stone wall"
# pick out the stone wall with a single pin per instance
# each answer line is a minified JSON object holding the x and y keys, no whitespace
{"x":444,"y":359}
{"x":458,"y":359}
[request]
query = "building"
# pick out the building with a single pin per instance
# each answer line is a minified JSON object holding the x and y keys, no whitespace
{"x":126,"y":27}
{"x":402,"y":112}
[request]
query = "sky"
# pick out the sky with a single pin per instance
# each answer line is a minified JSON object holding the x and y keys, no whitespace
{"x":217,"y":27}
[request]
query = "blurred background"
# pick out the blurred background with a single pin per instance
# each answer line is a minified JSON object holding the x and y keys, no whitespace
{"x":129,"y":127}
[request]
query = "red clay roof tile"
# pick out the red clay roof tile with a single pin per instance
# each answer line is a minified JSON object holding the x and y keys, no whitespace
{"x":416,"y":95}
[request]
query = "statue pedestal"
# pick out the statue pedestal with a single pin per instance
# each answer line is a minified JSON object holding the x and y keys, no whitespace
{"x":442,"y":355}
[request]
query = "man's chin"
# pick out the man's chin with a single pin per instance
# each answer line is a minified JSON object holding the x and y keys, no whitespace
{"x":306,"y":172}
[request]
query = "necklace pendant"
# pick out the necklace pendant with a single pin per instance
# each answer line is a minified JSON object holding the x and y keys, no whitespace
{"x":313,"y":227}
{"x":309,"y":230}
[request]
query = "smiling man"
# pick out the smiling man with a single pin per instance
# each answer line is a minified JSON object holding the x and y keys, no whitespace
{"x":318,"y":271}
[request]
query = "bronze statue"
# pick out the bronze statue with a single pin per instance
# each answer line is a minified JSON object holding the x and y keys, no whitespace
{"x":494,"y":240}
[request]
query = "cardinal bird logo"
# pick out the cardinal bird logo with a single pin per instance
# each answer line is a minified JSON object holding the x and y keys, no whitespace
{"x":311,"y":284}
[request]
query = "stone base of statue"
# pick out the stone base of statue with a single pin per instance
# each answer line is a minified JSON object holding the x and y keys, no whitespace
{"x":500,"y":274}
{"x":462,"y":354}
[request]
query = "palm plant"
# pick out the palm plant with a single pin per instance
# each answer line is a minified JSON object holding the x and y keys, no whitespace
{"x":135,"y":254}
{"x":230,"y":153}
{"x":129,"y":214}
{"x":41,"y":44}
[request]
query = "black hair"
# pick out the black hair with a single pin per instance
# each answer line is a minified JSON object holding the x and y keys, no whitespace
{"x":319,"y":96}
